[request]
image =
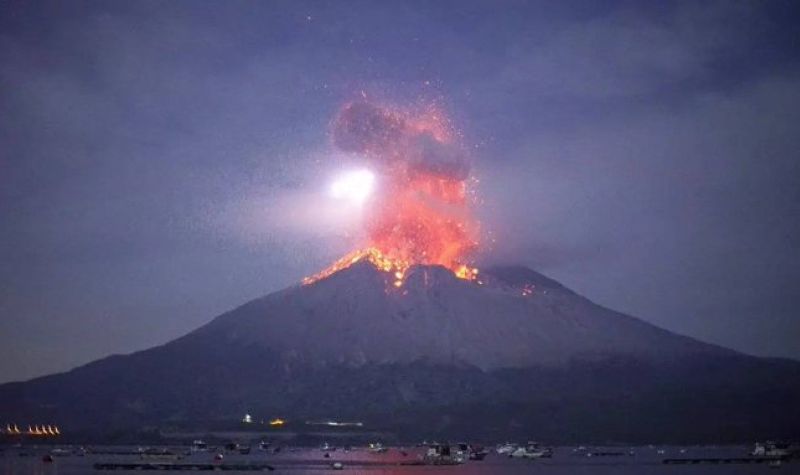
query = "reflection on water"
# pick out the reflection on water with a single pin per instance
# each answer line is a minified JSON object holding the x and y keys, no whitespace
{"x":565,"y":460}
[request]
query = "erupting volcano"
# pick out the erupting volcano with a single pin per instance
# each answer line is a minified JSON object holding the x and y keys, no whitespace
{"x":404,"y":335}
{"x":421,"y":213}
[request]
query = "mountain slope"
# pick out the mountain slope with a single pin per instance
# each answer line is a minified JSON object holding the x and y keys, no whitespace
{"x":516,"y":355}
{"x":355,"y":317}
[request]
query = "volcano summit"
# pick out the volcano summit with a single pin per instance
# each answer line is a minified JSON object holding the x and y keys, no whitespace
{"x":515,"y":354}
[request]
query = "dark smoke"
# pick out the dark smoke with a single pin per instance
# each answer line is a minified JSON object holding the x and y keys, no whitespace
{"x":389,"y":138}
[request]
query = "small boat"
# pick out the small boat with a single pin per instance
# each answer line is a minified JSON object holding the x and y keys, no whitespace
{"x":443,"y":454}
{"x":377,"y":448}
{"x":263,"y":445}
{"x":326,"y":447}
{"x":199,"y":446}
{"x":506,"y":449}
{"x":244,"y":449}
{"x":477,"y":452}
{"x":772,"y":449}
{"x":532,"y":451}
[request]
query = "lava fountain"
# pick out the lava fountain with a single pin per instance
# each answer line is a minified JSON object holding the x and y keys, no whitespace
{"x":421,"y":213}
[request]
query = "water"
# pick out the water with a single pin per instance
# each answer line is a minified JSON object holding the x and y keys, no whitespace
{"x":565,"y":460}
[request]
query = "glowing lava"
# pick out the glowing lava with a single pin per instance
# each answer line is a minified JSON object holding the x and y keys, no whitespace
{"x":421,"y":213}
{"x":374,"y":256}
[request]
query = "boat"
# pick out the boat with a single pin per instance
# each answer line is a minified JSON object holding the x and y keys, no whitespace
{"x":506,"y":449}
{"x":377,"y":448}
{"x":263,"y":445}
{"x":467,"y":451}
{"x":477,"y":452}
{"x":326,"y":447}
{"x":532,"y":451}
{"x":244,"y":449}
{"x":443,"y":454}
{"x":199,"y":446}
{"x":772,"y":449}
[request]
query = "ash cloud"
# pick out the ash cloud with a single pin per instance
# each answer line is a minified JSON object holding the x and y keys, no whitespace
{"x":390,"y":138}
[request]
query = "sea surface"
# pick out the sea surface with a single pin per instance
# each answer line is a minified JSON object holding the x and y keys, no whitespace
{"x":565,"y":460}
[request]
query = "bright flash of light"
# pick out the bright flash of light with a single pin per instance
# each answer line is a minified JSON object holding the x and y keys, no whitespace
{"x":354,"y":186}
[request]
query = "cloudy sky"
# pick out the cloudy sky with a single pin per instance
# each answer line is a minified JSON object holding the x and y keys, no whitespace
{"x":162,"y":162}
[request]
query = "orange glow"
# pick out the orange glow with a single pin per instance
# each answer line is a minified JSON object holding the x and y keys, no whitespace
{"x":421,"y":214}
{"x":277,"y":422}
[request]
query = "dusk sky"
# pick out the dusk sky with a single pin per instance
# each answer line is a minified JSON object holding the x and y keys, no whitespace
{"x":163,"y":162}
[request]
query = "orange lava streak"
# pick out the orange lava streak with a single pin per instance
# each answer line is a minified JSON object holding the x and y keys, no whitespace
{"x":373,"y":255}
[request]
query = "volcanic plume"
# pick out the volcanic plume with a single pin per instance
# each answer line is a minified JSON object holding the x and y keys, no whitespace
{"x":421,"y":214}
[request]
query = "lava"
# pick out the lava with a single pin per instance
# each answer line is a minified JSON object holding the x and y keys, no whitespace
{"x":421,"y":213}
{"x":381,"y":261}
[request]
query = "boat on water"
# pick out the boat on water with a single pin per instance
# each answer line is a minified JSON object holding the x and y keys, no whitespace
{"x":506,"y":449}
{"x":199,"y":446}
{"x":264,"y":445}
{"x":774,"y":450}
{"x":532,"y":450}
{"x":326,"y":447}
{"x":377,"y":448}
{"x":477,"y":452}
{"x":469,"y":451}
{"x":444,"y":454}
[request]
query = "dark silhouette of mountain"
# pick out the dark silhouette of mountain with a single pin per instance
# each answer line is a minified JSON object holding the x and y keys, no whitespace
{"x":512,"y":355}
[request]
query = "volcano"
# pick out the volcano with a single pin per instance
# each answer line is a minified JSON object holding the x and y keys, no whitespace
{"x":508,"y":354}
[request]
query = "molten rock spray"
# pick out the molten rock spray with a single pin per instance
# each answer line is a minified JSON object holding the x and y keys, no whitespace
{"x":421,"y":214}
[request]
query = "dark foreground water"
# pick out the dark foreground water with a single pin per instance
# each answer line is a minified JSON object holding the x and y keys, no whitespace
{"x":566,"y":460}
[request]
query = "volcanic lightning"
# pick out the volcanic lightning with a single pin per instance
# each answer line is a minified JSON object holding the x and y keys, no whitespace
{"x":421,"y":213}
